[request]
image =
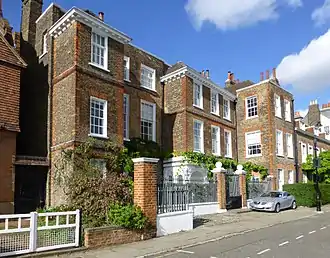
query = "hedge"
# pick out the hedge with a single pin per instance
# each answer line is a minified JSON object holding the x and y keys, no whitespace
{"x":305,"y":193}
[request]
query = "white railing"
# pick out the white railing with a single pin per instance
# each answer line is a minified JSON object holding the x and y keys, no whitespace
{"x":36,"y":232}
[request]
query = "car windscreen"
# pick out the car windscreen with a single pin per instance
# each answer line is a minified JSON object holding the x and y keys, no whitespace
{"x":272,"y":194}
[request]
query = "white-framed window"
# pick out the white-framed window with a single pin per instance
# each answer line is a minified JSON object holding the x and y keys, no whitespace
{"x":98,"y":117}
{"x":279,"y":143}
{"x":287,"y":110}
{"x":148,"y":77}
{"x":253,"y":144}
{"x":126,"y":68}
{"x":289,"y":145}
{"x":228,"y":144}
{"x":126,"y":117}
{"x":100,"y":165}
{"x":310,"y":150}
{"x":198,"y":136}
{"x":99,"y":50}
{"x":148,"y":121}
{"x":215,"y":135}
{"x":303,"y":152}
{"x":327,"y":130}
{"x":226,"y":109}
{"x":214,"y":103}
{"x":44,"y":43}
{"x":278,"y":110}
{"x":198,"y":95}
{"x":251,"y":107}
{"x":290,"y":177}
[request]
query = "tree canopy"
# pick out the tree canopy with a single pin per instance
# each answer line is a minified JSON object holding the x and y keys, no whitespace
{"x":323,"y":170}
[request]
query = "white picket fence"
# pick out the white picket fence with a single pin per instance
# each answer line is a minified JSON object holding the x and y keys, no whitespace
{"x":36,"y":232}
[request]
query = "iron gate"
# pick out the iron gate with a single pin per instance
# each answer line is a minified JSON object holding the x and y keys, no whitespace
{"x":233,"y":192}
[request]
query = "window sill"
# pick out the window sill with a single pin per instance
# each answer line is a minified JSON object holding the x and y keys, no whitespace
{"x":127,"y":140}
{"x":153,"y":90}
{"x":287,"y":120}
{"x":229,"y":156}
{"x":213,"y":113}
{"x":253,"y":156}
{"x":278,"y":116}
{"x":251,"y":117}
{"x":290,"y":157}
{"x":280,"y":155}
{"x":216,"y":154}
{"x":100,"y":67}
{"x":43,"y":54}
{"x":198,"y":151}
{"x":227,"y":118}
{"x":127,"y":80}
{"x":194,"y":105}
{"x":98,"y":136}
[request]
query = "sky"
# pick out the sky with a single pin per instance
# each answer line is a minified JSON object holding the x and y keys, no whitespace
{"x":245,"y":37}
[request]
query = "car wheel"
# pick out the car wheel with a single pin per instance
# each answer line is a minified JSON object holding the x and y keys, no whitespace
{"x":277,"y":208}
{"x":294,"y":205}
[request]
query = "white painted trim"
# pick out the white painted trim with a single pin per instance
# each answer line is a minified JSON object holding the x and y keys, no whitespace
{"x":145,"y":160}
{"x":154,"y":117}
{"x":253,"y":85}
{"x":218,"y":139}
{"x":126,"y":137}
{"x":99,"y":66}
{"x":217,"y":109}
{"x":230,"y":144}
{"x":276,"y":98}
{"x":281,"y":154}
{"x":246,"y":107}
{"x":201,"y":106}
{"x":229,"y":114}
{"x":106,"y":49}
{"x":50,"y":6}
{"x":202,"y":135}
{"x":246,"y":145}
{"x":105,"y":119}
{"x":143,"y":66}
{"x":128,"y":63}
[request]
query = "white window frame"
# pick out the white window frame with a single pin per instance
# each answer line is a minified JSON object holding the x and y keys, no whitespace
{"x":127,"y":68}
{"x":289,"y":145}
{"x":287,"y":110}
{"x":217,"y":110}
{"x":44,"y":44}
{"x":279,"y":143}
{"x":226,"y":116}
{"x":195,"y":104}
{"x":310,"y":147}
{"x":228,"y":147}
{"x":99,"y":164}
{"x":154,"y":118}
{"x":201,"y":150}
{"x":292,"y":173}
{"x":217,"y":141}
{"x":105,"y":118}
{"x":256,"y":134}
{"x":105,"y":49}
{"x":304,"y":154}
{"x":250,"y":108}
{"x":126,"y":117}
{"x":278,"y":108}
{"x":151,"y":70}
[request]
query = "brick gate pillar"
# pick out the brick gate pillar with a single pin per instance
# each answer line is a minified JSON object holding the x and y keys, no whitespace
{"x":242,"y":184}
{"x":145,"y":186}
{"x":220,"y":173}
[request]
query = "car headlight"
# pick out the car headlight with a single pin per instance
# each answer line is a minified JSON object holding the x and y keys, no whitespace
{"x":269,"y":204}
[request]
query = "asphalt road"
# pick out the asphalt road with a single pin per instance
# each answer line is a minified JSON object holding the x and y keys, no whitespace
{"x":306,"y":238}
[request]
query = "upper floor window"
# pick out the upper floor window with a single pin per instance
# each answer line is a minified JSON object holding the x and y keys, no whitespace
{"x":253,"y":144}
{"x":148,"y":77}
{"x":287,"y":110}
{"x":279,"y":143}
{"x":198,"y":95}
{"x":198,"y":136}
{"x":215,"y":135}
{"x":148,"y":121}
{"x":278,"y":110}
{"x":228,"y":148}
{"x":98,"y":117}
{"x":251,"y":107}
{"x":126,"y":68}
{"x":289,"y":145}
{"x":214,"y":102}
{"x":126,"y":117}
{"x":226,"y":109}
{"x":100,"y":51}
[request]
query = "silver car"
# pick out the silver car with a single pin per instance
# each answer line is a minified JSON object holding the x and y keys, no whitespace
{"x":274,"y":201}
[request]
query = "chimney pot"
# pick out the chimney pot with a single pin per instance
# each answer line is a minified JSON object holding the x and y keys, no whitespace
{"x":262,"y":76}
{"x":267,"y":74}
{"x":229,"y":75}
{"x":203,"y":73}
{"x":274,"y":73}
{"x":324,"y":105}
{"x":101,"y":16}
{"x":232,"y":77}
{"x":207,"y":74}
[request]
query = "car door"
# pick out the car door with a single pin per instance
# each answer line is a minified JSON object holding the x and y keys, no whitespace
{"x":286,"y":200}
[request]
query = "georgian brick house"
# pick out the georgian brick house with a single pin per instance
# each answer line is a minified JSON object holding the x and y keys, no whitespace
{"x":11,"y":66}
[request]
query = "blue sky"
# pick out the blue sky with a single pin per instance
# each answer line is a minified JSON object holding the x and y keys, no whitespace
{"x":243,"y":37}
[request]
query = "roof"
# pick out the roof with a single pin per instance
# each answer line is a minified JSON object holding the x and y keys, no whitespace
{"x":175,"y":67}
{"x":240,"y":85}
{"x":311,"y":135}
{"x":9,"y":54}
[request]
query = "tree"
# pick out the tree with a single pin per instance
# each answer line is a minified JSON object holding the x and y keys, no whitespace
{"x":323,"y":170}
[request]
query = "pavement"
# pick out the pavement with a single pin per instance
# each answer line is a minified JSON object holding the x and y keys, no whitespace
{"x":232,"y":234}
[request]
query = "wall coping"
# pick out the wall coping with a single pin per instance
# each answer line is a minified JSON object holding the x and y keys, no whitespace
{"x":114,"y":227}
{"x":203,"y":203}
{"x":145,"y":160}
{"x":176,"y":213}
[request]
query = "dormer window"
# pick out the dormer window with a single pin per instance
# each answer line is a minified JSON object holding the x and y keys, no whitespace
{"x":99,"y":51}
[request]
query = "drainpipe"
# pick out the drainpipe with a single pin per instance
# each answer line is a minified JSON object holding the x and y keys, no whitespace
{"x":295,"y":143}
{"x":235,"y":104}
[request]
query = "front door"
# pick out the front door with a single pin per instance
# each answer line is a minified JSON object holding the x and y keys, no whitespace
{"x":280,"y":177}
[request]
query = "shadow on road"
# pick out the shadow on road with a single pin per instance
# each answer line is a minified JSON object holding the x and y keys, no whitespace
{"x":200,"y":222}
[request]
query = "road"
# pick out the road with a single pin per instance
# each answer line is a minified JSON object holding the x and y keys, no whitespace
{"x":304,"y":238}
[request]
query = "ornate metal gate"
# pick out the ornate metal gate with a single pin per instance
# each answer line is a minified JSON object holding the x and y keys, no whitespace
{"x":233,"y":192}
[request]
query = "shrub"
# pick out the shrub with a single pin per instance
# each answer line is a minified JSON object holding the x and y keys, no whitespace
{"x":305,"y":193}
{"x":127,"y":216}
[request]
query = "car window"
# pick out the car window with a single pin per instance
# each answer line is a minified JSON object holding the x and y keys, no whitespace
{"x":272,"y":194}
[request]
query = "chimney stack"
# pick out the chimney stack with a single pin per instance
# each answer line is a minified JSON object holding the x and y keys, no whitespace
{"x":101,"y":16}
{"x":203,"y":73}
{"x":207,"y":74}
{"x":274,"y":73}
{"x":1,"y":13}
{"x":262,"y":76}
{"x":267,"y":74}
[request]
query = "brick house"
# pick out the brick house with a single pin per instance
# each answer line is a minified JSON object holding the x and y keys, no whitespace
{"x":11,"y":66}
{"x":199,"y":115}
{"x":265,"y":129}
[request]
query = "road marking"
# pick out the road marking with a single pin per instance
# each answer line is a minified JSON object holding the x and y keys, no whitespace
{"x":312,"y":232}
{"x":263,"y":251}
{"x":299,"y":237}
{"x":323,"y":228}
{"x":213,"y":257}
{"x":284,"y":243}
{"x":186,"y":252}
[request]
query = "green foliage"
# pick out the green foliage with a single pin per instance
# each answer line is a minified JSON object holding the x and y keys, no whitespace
{"x":324,"y":170}
{"x":137,"y":147}
{"x":127,"y":216}
{"x":305,"y":193}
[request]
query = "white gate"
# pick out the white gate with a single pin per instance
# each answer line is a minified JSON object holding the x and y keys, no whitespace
{"x":36,"y":232}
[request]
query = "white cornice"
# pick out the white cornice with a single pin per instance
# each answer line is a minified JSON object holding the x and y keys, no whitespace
{"x":188,"y":71}
{"x":75,"y":14}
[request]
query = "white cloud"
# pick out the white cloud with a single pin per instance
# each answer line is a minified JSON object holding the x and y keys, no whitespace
{"x":321,"y":14}
{"x":308,"y":70}
{"x":232,"y":14}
